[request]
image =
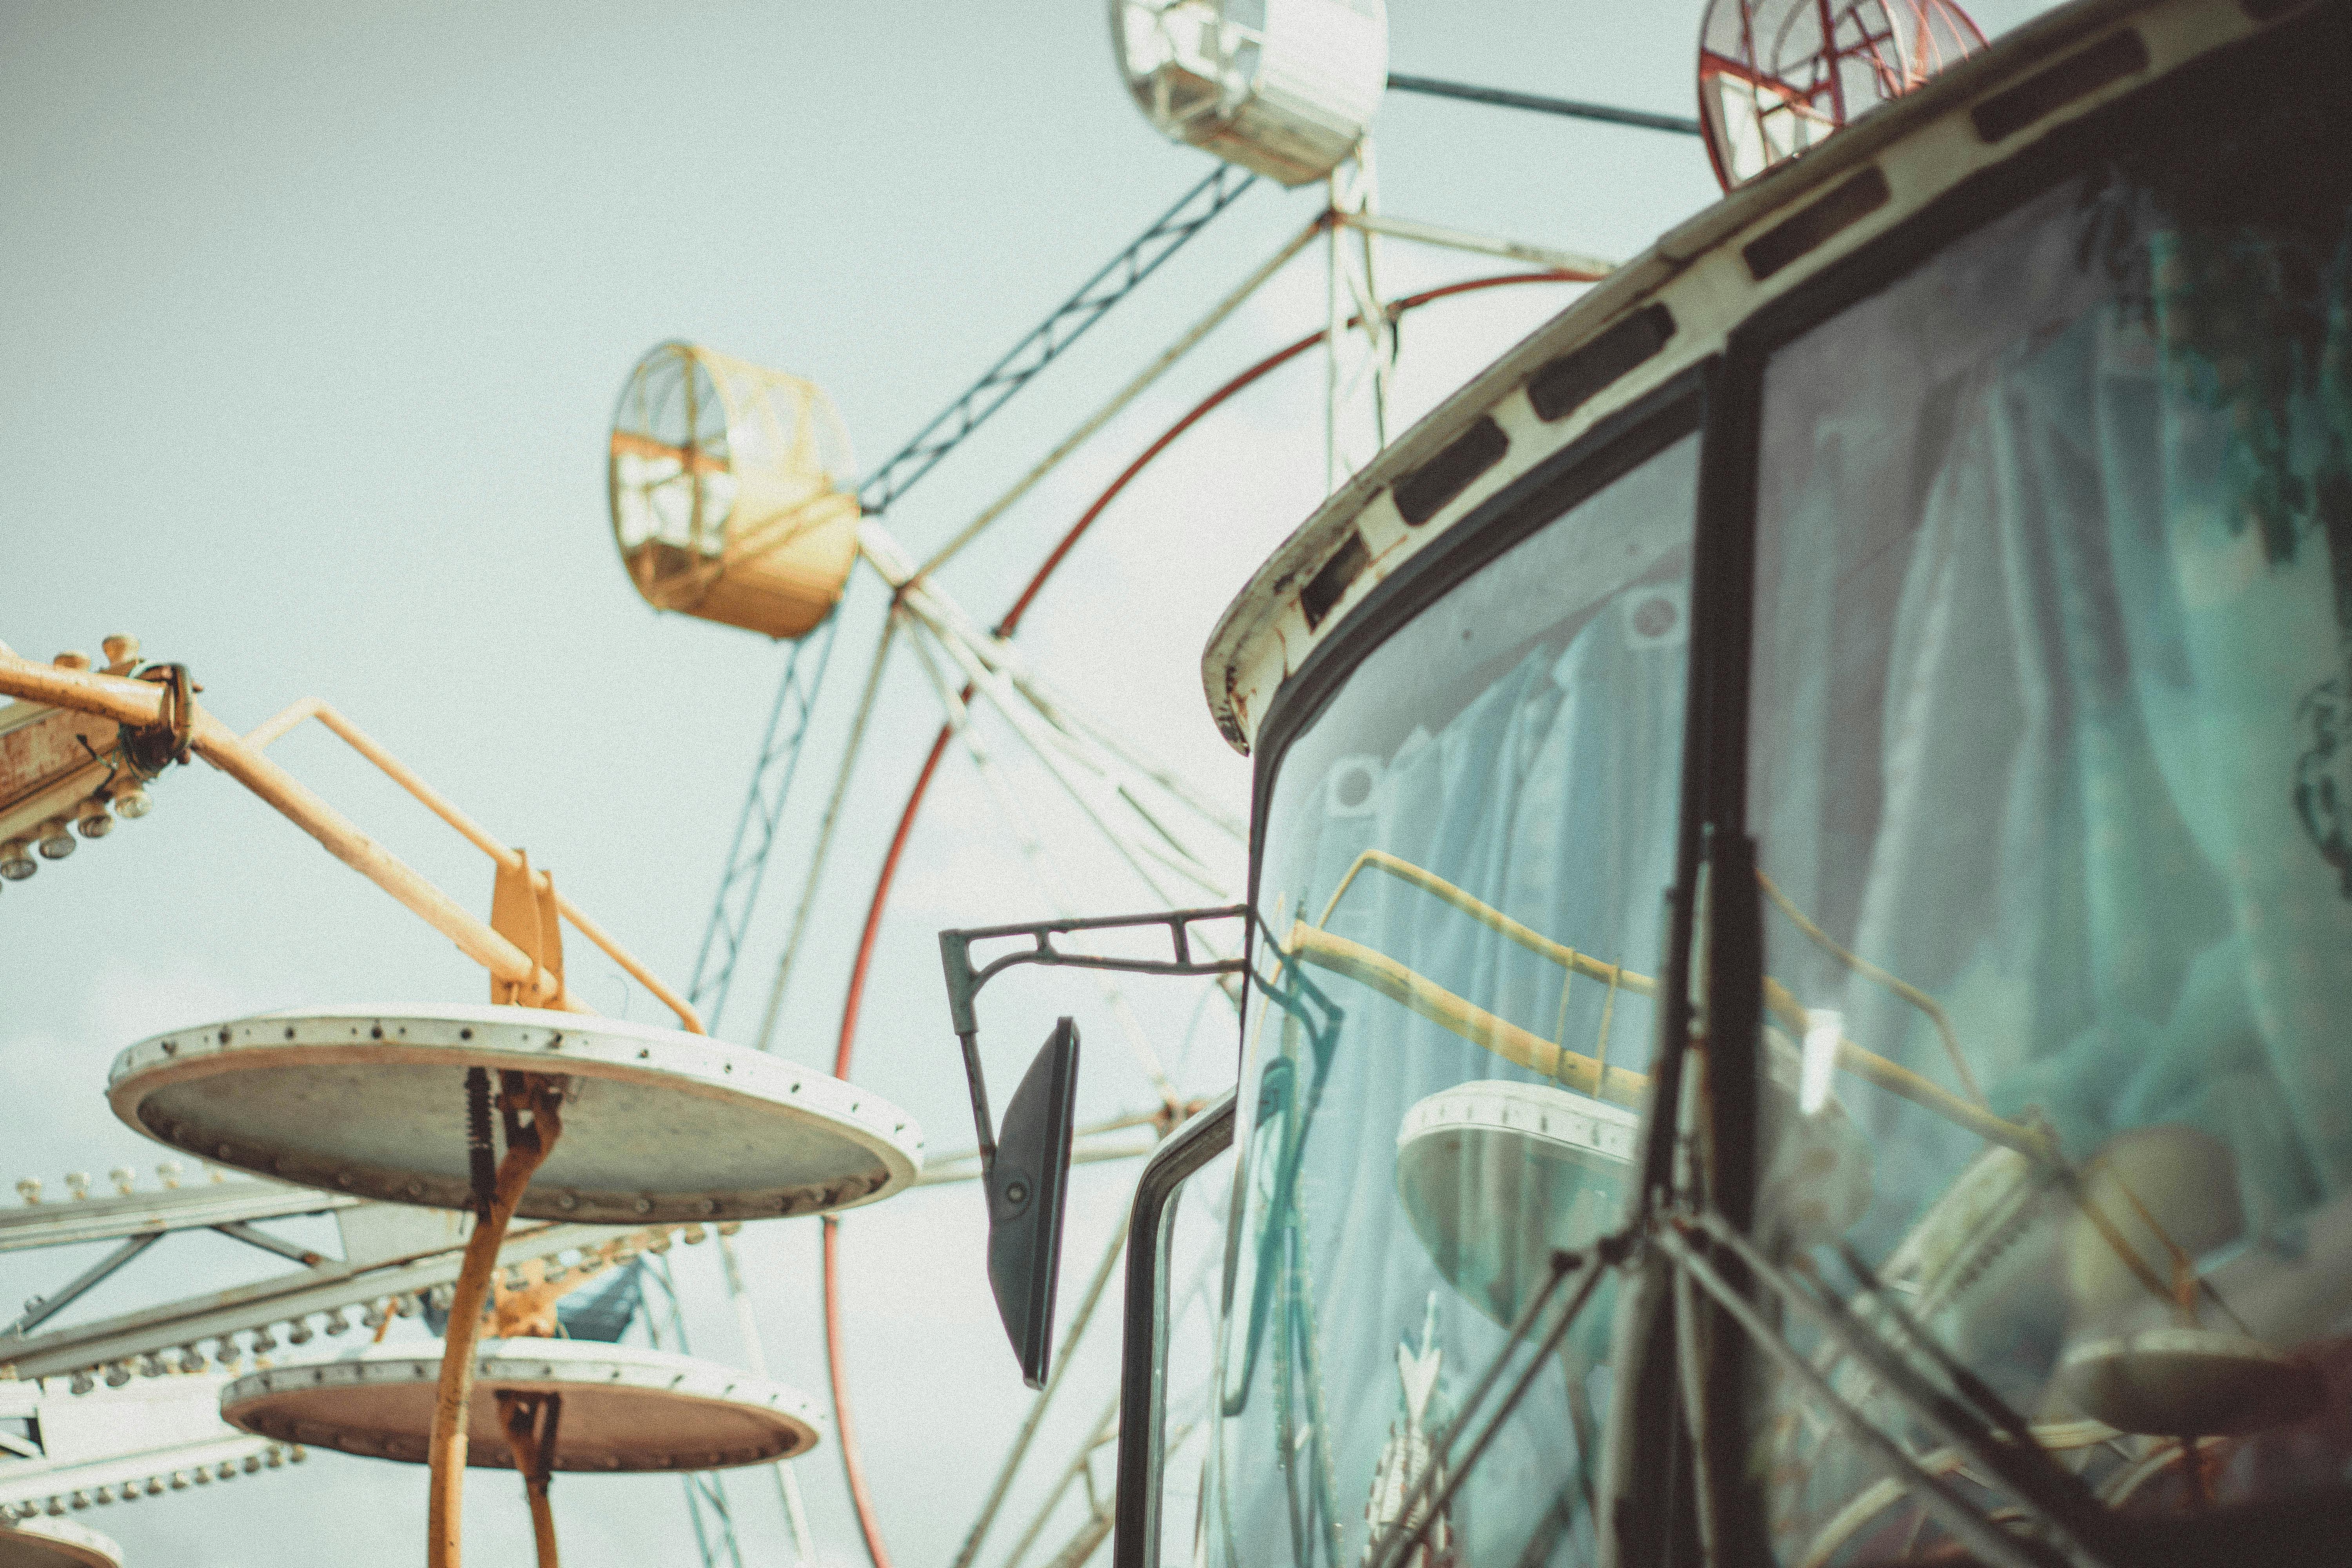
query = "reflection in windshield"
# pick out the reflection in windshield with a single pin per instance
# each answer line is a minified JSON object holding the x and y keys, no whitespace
{"x":2048,"y":775}
{"x":1465,"y":856}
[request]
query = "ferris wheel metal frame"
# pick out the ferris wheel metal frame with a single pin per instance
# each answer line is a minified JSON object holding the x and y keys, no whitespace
{"x":966,"y":664}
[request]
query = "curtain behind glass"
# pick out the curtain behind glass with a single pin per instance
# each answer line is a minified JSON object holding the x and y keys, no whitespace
{"x":2050,"y":722}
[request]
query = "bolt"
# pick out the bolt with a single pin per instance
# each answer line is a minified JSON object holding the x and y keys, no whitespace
{"x":71,"y":659}
{"x":122,"y":652}
{"x":78,"y":1183}
{"x":125,"y":1180}
{"x":170,"y":1171}
{"x":56,"y":842}
{"x":16,"y":861}
{"x":29,"y":1189}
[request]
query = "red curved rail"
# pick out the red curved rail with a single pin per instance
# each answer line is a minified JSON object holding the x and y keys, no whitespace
{"x":852,"y":1464}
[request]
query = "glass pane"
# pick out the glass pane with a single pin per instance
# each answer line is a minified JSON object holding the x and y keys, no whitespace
{"x":1464,"y":862}
{"x":2050,"y":776}
{"x":1192,"y":1230}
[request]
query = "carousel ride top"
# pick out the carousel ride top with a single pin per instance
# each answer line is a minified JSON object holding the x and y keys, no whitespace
{"x":399,"y":1105}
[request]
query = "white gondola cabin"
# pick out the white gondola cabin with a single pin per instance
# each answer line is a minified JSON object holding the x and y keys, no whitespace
{"x":1283,"y":87}
{"x":732,"y":493}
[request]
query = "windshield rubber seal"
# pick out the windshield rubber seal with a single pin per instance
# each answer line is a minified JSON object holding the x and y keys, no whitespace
{"x":1136,"y":1517}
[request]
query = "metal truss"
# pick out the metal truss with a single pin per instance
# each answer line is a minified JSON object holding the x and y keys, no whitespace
{"x":214,"y":1204}
{"x":379,"y":1279}
{"x":755,"y":828}
{"x":1118,"y":279}
{"x":706,"y":1491}
{"x":787,"y":720}
{"x":62,"y":1452}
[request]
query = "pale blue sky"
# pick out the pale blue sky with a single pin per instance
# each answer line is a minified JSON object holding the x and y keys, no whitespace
{"x":312,"y":320}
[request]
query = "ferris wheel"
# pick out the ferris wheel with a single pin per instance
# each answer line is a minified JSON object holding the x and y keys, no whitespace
{"x":733,"y":500}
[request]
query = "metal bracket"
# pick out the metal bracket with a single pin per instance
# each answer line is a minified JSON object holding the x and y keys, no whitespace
{"x":42,"y":1308}
{"x":239,"y":1230}
{"x":523,"y":910}
{"x":964,"y":981}
{"x":154,"y":748}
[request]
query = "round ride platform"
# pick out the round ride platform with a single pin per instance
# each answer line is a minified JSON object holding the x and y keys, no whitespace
{"x":1497,"y":1176}
{"x":56,"y":1544}
{"x":2190,"y":1382}
{"x":658,"y":1125}
{"x":625,"y":1408}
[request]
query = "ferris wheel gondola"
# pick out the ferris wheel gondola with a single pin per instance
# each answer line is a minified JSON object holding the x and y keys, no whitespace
{"x":1777,"y":77}
{"x":728,"y":491}
{"x":1285,"y":88}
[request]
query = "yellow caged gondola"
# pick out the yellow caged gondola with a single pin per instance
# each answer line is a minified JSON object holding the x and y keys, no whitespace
{"x":732,"y":493}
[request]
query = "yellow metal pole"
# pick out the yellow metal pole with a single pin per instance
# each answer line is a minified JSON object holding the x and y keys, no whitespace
{"x":141,"y":704}
{"x":446,"y":1450}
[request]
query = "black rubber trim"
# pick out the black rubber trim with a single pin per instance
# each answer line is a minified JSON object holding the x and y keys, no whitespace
{"x":1135,"y":1521}
{"x":2012,"y":110}
{"x":1861,"y":195}
{"x":1332,"y":582}
{"x":1567,"y":384}
{"x":1424,"y":492}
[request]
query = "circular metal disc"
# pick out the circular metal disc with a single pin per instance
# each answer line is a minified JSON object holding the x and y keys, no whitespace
{"x":658,"y":1125}
{"x":1497,"y":1176}
{"x":56,"y":1544}
{"x":625,"y":1408}
{"x":2188,"y":1383}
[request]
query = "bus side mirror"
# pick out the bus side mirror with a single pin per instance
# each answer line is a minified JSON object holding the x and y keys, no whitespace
{"x":1028,"y":1185}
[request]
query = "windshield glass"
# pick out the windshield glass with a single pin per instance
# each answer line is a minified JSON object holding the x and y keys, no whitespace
{"x":1463,"y":868}
{"x":2051,"y":774}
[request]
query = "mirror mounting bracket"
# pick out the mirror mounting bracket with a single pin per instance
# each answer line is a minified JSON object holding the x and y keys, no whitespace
{"x":965,"y":980}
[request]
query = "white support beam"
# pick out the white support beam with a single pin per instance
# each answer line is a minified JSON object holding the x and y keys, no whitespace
{"x":1478,"y":244}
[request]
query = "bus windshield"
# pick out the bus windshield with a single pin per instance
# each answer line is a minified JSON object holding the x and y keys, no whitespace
{"x":1460,"y":880}
{"x":2051,"y":777}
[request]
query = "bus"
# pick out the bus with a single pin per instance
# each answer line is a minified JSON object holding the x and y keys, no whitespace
{"x":1801,"y":874}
